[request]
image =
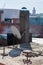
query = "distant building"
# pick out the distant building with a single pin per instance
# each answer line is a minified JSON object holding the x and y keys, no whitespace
{"x":33,"y":11}
{"x":36,"y":24}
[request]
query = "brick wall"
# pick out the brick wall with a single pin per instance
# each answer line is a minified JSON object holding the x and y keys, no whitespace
{"x":5,"y":27}
{"x":34,"y":28}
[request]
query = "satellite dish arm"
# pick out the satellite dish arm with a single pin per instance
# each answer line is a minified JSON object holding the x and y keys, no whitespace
{"x":24,"y":32}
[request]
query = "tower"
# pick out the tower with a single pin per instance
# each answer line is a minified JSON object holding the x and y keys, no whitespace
{"x":34,"y":11}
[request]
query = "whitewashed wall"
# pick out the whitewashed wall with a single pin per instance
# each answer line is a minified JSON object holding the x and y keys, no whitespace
{"x":10,"y":13}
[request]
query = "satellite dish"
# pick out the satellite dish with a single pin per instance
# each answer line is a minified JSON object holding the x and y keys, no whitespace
{"x":15,"y":32}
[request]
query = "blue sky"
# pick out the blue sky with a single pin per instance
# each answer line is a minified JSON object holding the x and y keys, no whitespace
{"x":18,"y":4}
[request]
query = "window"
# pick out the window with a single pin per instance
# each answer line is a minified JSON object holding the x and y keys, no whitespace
{"x":8,"y":20}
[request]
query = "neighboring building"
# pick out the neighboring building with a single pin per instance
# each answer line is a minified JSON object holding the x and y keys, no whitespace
{"x":36,"y":24}
{"x":12,"y":16}
{"x":9,"y":17}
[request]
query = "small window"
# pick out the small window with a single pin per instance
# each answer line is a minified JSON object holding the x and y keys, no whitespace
{"x":8,"y":20}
